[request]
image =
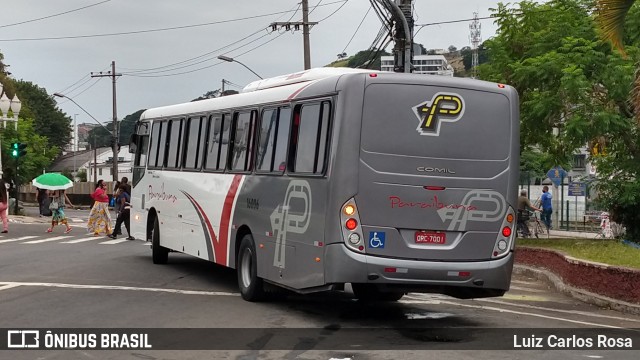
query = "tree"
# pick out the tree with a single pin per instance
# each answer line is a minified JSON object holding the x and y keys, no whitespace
{"x":367,"y":59}
{"x":49,"y":121}
{"x":103,"y":136}
{"x":573,"y":88}
{"x":452,"y":49}
{"x":39,"y":155}
{"x":618,"y":168}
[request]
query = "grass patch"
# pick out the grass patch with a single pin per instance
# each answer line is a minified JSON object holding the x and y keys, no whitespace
{"x":612,"y":252}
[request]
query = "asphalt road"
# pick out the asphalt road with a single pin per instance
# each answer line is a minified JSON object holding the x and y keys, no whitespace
{"x":79,"y":281}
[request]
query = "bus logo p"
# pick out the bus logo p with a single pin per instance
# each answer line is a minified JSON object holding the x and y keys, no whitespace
{"x":443,"y":107}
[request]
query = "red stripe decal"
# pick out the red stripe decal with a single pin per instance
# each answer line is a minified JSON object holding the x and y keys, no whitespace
{"x":209,"y":229}
{"x":220,"y":248}
{"x":297,"y":92}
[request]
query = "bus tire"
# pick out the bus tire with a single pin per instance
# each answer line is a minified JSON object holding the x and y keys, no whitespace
{"x":369,"y":292}
{"x":251,"y":286}
{"x":160,"y":254}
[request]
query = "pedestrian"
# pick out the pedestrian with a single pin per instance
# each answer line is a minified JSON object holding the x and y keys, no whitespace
{"x":99,"y":217}
{"x":122,"y":200}
{"x":4,"y":205}
{"x":57,"y":200}
{"x":547,"y":209}
{"x":125,"y":181}
{"x":42,"y":196}
{"x":524,"y":204}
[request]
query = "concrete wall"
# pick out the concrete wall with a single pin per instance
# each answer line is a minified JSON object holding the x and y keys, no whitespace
{"x":79,"y":194}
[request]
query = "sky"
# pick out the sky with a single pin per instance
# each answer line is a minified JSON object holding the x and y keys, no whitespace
{"x":168,"y":67}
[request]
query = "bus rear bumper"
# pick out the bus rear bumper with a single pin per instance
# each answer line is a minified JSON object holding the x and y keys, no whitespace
{"x":459,"y":279}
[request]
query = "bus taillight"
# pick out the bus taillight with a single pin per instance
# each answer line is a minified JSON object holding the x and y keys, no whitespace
{"x":506,"y":231}
{"x":351,"y":229}
{"x":505,"y":239}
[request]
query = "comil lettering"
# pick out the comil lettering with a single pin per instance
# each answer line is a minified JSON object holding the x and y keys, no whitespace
{"x":435,"y":170}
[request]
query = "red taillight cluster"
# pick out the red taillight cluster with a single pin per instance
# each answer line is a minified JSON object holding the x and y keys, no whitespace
{"x":351,"y":224}
{"x":506,"y":231}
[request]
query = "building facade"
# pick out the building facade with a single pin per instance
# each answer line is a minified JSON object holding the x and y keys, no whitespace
{"x":422,"y":64}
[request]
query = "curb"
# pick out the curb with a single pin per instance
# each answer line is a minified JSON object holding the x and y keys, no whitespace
{"x":580,"y":294}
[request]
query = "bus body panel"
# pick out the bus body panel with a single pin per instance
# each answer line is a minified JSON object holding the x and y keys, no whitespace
{"x":295,"y":219}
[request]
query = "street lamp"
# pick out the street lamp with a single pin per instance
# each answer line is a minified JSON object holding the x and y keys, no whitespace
{"x":113,"y":136}
{"x":5,"y":105}
{"x":229,"y":59}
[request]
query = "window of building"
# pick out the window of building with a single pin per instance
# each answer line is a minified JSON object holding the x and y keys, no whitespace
{"x":173,"y":150}
{"x":242,"y":144}
{"x":273,"y":140}
{"x":579,"y":161}
{"x":311,"y":122}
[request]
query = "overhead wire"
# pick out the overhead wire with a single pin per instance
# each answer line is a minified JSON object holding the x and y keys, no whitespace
{"x":162,"y":29}
{"x":355,"y":32}
{"x":54,"y":15}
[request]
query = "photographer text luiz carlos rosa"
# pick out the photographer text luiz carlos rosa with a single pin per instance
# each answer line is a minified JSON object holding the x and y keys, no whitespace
{"x":554,"y":341}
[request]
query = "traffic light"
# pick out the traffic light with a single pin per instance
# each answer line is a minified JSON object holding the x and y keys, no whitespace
{"x":18,"y":150}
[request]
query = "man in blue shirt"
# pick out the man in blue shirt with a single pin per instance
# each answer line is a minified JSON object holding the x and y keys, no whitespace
{"x":547,"y":210}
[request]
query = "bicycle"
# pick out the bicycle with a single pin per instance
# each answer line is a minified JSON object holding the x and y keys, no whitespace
{"x":530,"y":224}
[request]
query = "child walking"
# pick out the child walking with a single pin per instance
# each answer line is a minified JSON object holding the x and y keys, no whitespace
{"x":58,"y":200}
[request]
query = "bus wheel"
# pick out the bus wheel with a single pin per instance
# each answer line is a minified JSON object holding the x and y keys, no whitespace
{"x":368,"y":292}
{"x":159,"y":253}
{"x":251,"y":286}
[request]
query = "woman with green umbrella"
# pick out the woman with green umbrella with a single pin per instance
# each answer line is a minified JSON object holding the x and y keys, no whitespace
{"x":56,"y":184}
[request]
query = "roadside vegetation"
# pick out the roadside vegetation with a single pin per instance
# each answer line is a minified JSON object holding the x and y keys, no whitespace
{"x":612,"y":252}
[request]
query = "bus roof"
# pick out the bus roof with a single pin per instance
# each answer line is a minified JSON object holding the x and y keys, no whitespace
{"x":280,"y":88}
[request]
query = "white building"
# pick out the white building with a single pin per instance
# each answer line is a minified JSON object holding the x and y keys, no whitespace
{"x":83,"y":160}
{"x":422,"y":64}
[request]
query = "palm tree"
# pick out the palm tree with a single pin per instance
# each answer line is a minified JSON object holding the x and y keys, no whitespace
{"x":610,"y":17}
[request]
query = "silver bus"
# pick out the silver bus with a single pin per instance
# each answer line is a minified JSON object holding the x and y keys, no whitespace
{"x":392,"y":183}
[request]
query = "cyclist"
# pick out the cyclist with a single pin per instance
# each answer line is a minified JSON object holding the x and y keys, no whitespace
{"x":524,"y":204}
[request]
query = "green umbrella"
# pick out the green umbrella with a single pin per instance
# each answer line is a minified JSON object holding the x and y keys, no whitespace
{"x":52,"y":181}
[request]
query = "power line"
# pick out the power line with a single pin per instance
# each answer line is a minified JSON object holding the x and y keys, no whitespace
{"x":355,"y":32}
{"x":162,"y":29}
{"x":54,"y":15}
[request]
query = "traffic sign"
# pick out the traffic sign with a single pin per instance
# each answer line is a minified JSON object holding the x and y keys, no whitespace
{"x":577,"y":188}
{"x":556,"y":175}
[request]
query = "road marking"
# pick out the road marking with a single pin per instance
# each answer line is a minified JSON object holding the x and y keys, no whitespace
{"x":47,"y":240}
{"x":8,"y":286}
{"x":502,"y":310}
{"x":81,"y":240}
{"x":129,"y":288}
{"x":111,"y":242}
{"x":519,"y":288}
{"x":18,"y":239}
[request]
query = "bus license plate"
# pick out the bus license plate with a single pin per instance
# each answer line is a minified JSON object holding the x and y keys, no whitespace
{"x":430,"y":237}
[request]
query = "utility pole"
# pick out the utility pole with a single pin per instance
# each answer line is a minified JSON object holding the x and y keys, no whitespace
{"x":306,"y":26}
{"x":114,"y":144}
{"x":402,"y":15}
{"x":476,"y":38}
{"x":222,"y":90}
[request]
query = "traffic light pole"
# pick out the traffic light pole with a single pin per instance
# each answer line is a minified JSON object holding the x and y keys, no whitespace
{"x":15,"y":190}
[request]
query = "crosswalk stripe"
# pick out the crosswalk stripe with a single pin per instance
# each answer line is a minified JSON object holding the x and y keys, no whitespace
{"x":81,"y":240}
{"x":111,"y":242}
{"x":47,"y":240}
{"x":18,"y":239}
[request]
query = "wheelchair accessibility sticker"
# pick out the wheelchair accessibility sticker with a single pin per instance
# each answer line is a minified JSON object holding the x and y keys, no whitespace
{"x":376,"y":239}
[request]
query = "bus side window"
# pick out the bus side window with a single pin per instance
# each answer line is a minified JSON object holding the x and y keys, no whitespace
{"x":282,"y":139}
{"x":266,"y":140}
{"x":158,"y":143}
{"x":242,"y":145}
{"x":192,"y":143}
{"x":224,"y":142}
{"x":311,"y":137}
{"x":173,"y":152}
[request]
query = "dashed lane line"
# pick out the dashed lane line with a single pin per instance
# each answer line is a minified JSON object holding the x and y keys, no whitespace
{"x":4,"y":284}
{"x":55,"y":238}
{"x":81,"y":240}
{"x":18,"y":239}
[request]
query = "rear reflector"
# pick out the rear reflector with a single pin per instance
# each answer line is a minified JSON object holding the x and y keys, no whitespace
{"x":373,"y":75}
{"x":435,"y":188}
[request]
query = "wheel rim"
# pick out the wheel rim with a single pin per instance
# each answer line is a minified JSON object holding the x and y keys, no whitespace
{"x":245,"y":268}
